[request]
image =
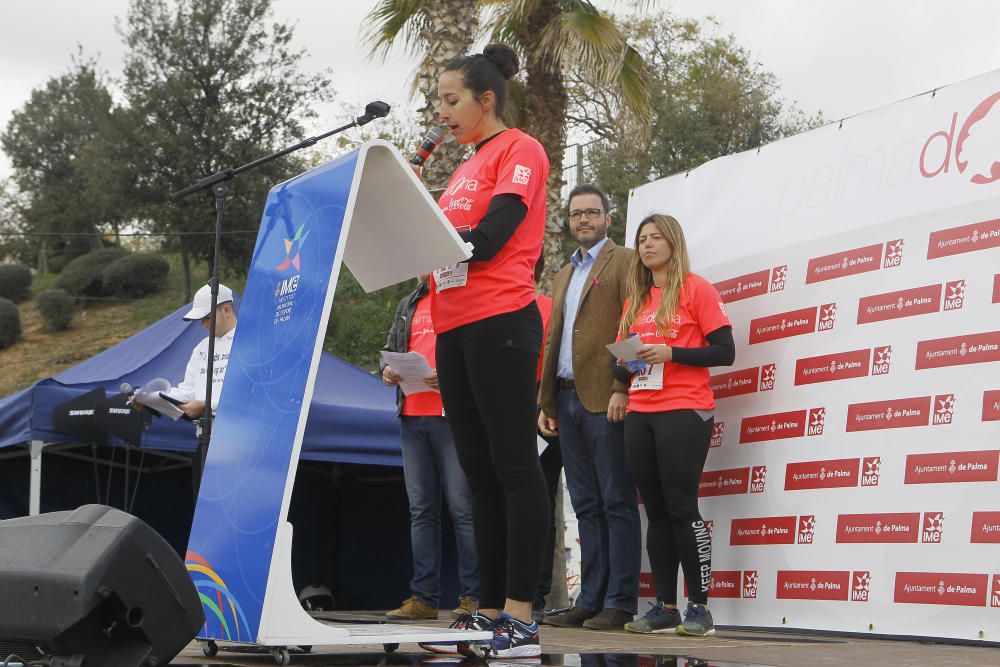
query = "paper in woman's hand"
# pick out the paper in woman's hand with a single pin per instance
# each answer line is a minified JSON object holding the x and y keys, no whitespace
{"x":412,"y":368}
{"x":626,"y":350}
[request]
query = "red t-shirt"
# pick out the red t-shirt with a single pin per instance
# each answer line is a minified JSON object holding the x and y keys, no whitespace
{"x":510,"y":163}
{"x":423,"y":340}
{"x":545,"y":308}
{"x":700,"y":312}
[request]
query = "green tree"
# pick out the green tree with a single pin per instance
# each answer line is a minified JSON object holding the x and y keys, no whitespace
{"x":210,"y":84}
{"x":438,"y":31}
{"x":359,"y":322}
{"x":558,"y":40}
{"x":14,"y":245}
{"x":710,"y":98}
{"x":48,"y":141}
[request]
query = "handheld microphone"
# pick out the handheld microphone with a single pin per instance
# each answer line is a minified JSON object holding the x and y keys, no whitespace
{"x":127,"y":389}
{"x":431,"y":141}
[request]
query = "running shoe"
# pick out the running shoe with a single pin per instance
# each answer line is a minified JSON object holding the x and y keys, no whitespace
{"x":475,"y":621}
{"x":697,"y":621}
{"x":511,"y":639}
{"x":658,"y":619}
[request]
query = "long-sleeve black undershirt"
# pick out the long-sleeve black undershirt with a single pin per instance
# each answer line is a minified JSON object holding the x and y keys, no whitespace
{"x":504,"y":214}
{"x":720,"y":351}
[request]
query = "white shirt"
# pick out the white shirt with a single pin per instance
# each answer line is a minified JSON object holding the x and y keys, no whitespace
{"x":193,"y":386}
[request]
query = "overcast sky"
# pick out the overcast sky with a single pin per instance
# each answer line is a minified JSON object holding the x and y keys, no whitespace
{"x":839,"y":56}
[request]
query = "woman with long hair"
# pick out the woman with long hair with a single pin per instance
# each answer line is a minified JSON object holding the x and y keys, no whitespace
{"x":489,"y":338}
{"x":684,"y":329}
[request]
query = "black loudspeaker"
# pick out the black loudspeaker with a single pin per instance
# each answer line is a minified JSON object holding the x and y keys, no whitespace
{"x":76,"y":417}
{"x":94,"y":587}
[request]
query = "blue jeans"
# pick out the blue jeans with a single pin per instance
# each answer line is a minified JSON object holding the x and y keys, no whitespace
{"x":604,"y":499}
{"x":430,"y":466}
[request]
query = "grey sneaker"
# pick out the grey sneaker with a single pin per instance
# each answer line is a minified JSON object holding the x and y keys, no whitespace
{"x":658,"y":619}
{"x":697,"y":621}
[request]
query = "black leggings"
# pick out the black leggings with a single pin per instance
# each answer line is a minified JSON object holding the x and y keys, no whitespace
{"x":486,"y":371}
{"x":666,"y":452}
{"x":551,"y":462}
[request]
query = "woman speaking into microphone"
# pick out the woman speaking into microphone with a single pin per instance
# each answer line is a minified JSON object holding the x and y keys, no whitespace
{"x":489,"y":338}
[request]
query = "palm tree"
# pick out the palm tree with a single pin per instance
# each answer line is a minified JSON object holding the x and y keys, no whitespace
{"x":553,"y":37}
{"x":440,"y":30}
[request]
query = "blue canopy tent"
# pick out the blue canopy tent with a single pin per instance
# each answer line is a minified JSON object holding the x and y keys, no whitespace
{"x":352,"y":418}
{"x":350,"y":492}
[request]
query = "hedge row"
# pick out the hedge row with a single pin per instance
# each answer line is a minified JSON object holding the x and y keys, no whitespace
{"x":15,"y":282}
{"x":10,"y":323}
{"x":114,"y":272}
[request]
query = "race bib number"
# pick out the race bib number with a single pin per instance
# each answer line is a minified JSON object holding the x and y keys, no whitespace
{"x":648,"y":379}
{"x":448,"y":277}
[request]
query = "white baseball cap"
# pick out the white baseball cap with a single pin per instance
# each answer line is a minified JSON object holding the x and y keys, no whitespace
{"x":201,"y":306}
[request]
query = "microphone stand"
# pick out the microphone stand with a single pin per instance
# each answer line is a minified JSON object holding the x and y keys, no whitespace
{"x":219,"y":184}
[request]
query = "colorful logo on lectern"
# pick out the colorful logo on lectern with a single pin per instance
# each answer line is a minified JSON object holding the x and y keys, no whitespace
{"x":293,"y":248}
{"x":217,"y":600}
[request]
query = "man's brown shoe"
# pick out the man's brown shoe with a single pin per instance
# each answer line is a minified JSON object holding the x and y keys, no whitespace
{"x":413,"y":609}
{"x":466,"y":605}
{"x":572,"y":618}
{"x":609,"y":619}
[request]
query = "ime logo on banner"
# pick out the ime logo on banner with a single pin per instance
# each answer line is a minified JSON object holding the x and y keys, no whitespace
{"x":861,"y":587}
{"x":758,"y":478}
{"x":954,"y":294}
{"x":827,"y":317}
{"x":750,"y":584}
{"x":893,"y":254}
{"x":933,"y":528}
{"x":778,"y":276}
{"x":871,"y":468}
{"x":718,"y":430}
{"x":881,"y":358}
{"x":767,"y":377}
{"x":807,"y":529}
{"x":944,"y":408}
{"x":817,"y":418}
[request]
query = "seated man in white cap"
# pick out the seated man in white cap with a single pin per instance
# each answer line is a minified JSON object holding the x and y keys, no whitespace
{"x":192,"y":389}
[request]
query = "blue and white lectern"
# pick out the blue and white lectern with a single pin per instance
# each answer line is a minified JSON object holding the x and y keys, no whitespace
{"x":369,"y":210}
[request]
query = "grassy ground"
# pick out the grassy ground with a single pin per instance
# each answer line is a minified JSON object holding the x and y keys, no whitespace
{"x":97,"y":325}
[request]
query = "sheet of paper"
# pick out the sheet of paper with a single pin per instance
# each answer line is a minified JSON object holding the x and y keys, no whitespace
{"x":627,"y":349}
{"x":413,"y":367}
{"x":149,"y":395}
{"x":542,"y":444}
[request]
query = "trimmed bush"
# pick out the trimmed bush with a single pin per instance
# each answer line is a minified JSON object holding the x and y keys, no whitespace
{"x":56,"y":308}
{"x":137,"y":275}
{"x":82,"y":276}
{"x":15,"y":282}
{"x":10,"y":323}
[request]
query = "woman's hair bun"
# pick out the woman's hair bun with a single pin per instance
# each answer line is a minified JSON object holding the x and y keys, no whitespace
{"x":504,"y":58}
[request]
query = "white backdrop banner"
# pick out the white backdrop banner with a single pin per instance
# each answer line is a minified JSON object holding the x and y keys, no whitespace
{"x":852,"y":482}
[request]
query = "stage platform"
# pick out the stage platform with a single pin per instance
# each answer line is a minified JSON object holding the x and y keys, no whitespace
{"x":580,"y":647}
